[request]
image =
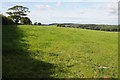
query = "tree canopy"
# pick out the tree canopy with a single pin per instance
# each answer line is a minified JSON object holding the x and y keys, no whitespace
{"x":17,"y":12}
{"x":25,"y":20}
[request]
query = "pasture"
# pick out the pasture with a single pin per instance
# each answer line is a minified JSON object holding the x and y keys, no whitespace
{"x":57,"y":52}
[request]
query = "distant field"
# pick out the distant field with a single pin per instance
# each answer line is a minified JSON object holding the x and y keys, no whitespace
{"x":50,"y":51}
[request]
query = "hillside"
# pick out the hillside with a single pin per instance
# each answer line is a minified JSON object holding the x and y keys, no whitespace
{"x":58,"y":52}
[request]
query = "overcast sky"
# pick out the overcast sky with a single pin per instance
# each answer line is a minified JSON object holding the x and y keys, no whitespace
{"x":77,"y":11}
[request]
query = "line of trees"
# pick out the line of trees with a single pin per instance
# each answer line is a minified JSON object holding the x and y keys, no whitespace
{"x":18,"y":15}
{"x":92,"y":26}
{"x":37,"y":23}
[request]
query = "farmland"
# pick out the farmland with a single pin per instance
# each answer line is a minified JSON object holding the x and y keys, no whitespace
{"x":57,"y":52}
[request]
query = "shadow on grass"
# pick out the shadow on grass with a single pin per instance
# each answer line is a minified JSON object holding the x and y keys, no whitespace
{"x":17,"y":60}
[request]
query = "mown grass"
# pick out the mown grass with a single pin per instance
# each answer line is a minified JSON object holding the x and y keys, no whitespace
{"x":54,"y":52}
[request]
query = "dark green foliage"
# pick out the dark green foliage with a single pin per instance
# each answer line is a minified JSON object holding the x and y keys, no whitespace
{"x":16,"y":13}
{"x":6,"y":20}
{"x":60,"y":25}
{"x":91,"y":26}
{"x":25,"y":20}
{"x":37,"y":23}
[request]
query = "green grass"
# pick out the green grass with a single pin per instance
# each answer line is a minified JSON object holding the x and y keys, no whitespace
{"x":54,"y":52}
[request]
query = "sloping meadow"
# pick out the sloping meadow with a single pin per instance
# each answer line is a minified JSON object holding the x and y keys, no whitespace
{"x":58,"y":52}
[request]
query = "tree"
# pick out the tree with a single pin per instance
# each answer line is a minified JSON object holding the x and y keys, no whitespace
{"x":60,"y":25}
{"x":39,"y":23}
{"x":25,"y":20}
{"x":17,"y":12}
{"x":35,"y":23}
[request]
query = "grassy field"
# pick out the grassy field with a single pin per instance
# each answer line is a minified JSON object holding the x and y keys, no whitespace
{"x":54,"y":52}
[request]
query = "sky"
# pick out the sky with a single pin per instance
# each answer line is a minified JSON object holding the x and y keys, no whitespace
{"x":64,"y":11}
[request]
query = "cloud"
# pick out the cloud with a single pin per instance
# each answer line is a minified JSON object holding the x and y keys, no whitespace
{"x":59,"y":4}
{"x":112,"y":8}
{"x":44,"y":7}
{"x":92,"y":13}
{"x":60,"y":0}
{"x":80,"y":13}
